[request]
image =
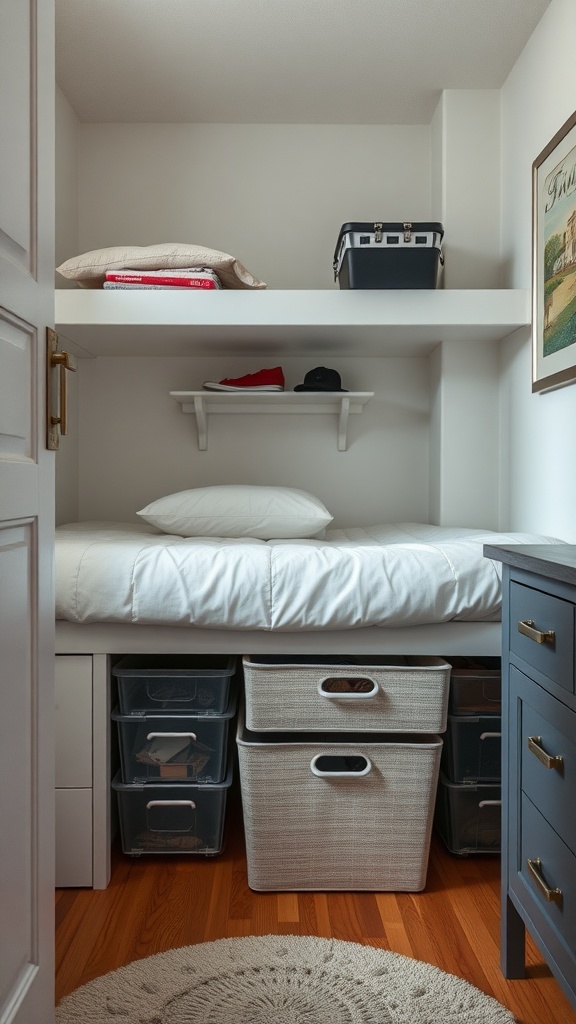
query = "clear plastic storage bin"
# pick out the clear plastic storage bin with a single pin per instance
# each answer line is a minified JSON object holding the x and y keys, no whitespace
{"x":475,"y":686}
{"x":173,"y":748}
{"x":472,"y":748}
{"x":178,"y":683}
{"x":467,"y":817}
{"x":156,"y":818}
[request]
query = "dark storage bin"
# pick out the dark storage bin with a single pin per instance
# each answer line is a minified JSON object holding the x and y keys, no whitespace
{"x":388,"y":255}
{"x":174,"y":682}
{"x":173,"y":748}
{"x":156,"y":818}
{"x":468,"y":817}
{"x":475,"y":686}
{"x":472,"y":748}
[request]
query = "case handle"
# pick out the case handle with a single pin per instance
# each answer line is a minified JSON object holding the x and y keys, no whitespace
{"x":353,"y":773}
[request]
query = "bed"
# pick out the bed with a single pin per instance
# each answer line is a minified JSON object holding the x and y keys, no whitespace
{"x":361,"y":588}
{"x":121,"y":588}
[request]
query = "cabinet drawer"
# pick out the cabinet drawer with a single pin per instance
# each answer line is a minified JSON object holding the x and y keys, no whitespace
{"x":557,"y":870}
{"x":554,"y":657}
{"x":549,"y":782}
{"x":73,"y":837}
{"x":73,"y":721}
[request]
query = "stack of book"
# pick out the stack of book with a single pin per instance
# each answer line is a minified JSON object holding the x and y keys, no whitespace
{"x":191,"y":277}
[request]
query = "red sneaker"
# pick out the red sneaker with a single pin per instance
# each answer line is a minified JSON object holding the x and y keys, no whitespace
{"x":263,"y":380}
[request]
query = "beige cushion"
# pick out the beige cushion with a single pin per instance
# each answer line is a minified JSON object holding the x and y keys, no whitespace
{"x":238,"y":510}
{"x":89,"y":269}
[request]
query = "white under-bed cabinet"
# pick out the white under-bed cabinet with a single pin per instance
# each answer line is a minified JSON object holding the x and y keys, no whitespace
{"x":82,"y":757}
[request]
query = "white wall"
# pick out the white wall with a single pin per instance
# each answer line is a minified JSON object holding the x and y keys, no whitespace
{"x":464,"y":435}
{"x":538,"y":435}
{"x":274,"y":196}
{"x":136,"y":444}
{"x":66,"y":171}
{"x":466,"y":185}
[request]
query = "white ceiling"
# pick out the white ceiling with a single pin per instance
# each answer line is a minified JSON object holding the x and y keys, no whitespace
{"x":283,"y":61}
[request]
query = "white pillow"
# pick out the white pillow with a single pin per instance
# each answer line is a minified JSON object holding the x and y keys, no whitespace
{"x":89,"y":269}
{"x":237,"y":510}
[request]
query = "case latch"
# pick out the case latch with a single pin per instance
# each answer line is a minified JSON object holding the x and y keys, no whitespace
{"x":407,"y":225}
{"x":378,"y":231}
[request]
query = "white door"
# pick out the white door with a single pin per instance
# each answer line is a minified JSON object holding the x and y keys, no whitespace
{"x":26,"y":513}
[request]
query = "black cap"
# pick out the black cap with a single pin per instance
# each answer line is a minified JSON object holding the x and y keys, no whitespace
{"x":321,"y":379}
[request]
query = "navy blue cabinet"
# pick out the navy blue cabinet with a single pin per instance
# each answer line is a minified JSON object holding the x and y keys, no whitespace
{"x":539,"y":757}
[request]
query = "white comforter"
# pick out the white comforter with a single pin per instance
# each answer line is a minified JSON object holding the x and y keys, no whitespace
{"x":396,"y":574}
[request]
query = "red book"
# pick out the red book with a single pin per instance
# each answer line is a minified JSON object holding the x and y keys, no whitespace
{"x":166,"y":280}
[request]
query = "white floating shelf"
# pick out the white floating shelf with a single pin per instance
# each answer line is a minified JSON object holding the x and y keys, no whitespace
{"x":319,"y":323}
{"x":342,"y":404}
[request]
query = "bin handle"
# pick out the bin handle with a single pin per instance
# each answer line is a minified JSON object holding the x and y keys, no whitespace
{"x":171,"y":803}
{"x":368,"y":695}
{"x":340,"y":775}
{"x":490,"y":803}
{"x":171,"y":735}
{"x":490,"y":735}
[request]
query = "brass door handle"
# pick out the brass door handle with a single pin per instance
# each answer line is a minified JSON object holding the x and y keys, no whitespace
{"x":56,"y":421}
{"x":552,"y":895}
{"x":527,"y":628}
{"x":548,"y":760}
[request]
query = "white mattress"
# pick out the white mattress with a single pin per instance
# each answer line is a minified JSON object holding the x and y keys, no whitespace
{"x":395,"y":574}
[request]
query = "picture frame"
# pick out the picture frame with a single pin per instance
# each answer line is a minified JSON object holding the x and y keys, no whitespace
{"x":554,"y":261}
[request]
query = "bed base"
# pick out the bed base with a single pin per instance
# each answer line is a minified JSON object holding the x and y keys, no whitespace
{"x":456,"y":638}
{"x":100,"y":644}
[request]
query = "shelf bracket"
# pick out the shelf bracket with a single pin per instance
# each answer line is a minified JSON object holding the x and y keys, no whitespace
{"x":202,"y":422}
{"x":343,"y":425}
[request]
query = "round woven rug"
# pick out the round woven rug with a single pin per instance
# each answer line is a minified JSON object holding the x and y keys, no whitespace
{"x":279,"y":979}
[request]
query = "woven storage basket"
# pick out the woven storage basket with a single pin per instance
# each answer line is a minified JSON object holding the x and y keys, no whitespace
{"x":404,"y":694}
{"x":306,"y":831}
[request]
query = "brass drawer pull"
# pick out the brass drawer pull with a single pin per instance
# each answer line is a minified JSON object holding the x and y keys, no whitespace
{"x":552,"y":895}
{"x":527,"y":628}
{"x":548,"y":760}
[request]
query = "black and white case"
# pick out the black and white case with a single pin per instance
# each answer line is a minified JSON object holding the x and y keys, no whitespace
{"x":389,"y":255}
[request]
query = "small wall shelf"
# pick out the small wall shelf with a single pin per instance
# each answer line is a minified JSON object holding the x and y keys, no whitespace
{"x":343,"y":404}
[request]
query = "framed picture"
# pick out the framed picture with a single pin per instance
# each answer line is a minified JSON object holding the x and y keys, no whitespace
{"x":554,"y":261}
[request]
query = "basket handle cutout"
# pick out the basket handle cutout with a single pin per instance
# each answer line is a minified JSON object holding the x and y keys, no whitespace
{"x":342,"y":766}
{"x":348,"y":688}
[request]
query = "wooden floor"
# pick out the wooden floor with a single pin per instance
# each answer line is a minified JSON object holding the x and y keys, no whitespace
{"x":157,"y":903}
